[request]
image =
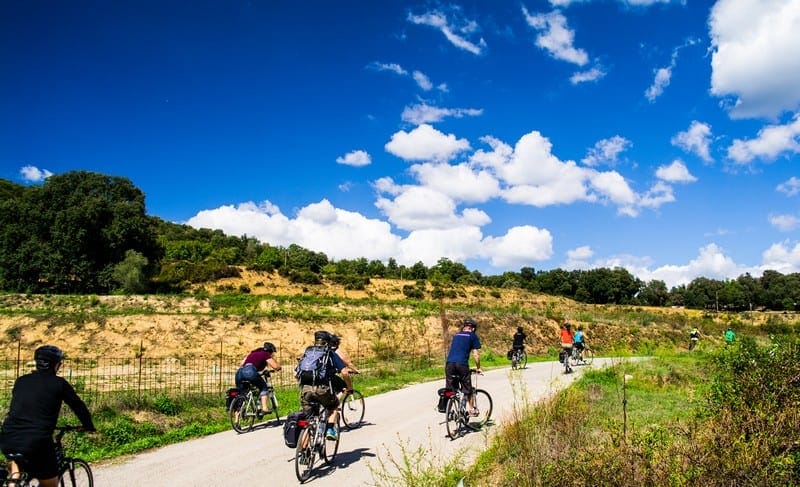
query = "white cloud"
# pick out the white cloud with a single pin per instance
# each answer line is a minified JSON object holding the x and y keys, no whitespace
{"x":637,"y":3}
{"x":428,"y":246}
{"x":520,"y":246}
{"x":393,"y":67}
{"x":755,"y":61}
{"x":460,"y":182}
{"x":772,"y":141}
{"x":578,"y":258}
{"x":420,"y":208}
{"x":424,"y":113}
{"x":782,"y":257}
{"x":356,"y":158}
{"x":606,"y":151}
{"x":422,"y":80}
{"x":696,"y":140}
{"x":784,"y":223}
{"x":677,"y":172}
{"x":661,"y":81}
{"x":453,"y":33}
{"x":33,"y":174}
{"x":711,"y":262}
{"x":593,"y":74}
{"x":556,"y":37}
{"x":791,"y":186}
{"x":425,"y":143}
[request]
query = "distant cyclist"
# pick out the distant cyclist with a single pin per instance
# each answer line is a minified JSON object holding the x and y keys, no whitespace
{"x":519,"y":339}
{"x":730,"y":336}
{"x":694,"y":337}
{"x":579,"y":341}
{"x":35,"y":405}
{"x":566,"y":339}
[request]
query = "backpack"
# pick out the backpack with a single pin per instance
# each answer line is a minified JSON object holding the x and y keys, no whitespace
{"x":315,"y":367}
{"x":291,"y":430}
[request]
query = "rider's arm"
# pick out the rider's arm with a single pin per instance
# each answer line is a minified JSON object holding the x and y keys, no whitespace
{"x":476,"y":353}
{"x":348,"y":381}
{"x":272,"y":363}
{"x":78,"y":406}
{"x":346,"y":361}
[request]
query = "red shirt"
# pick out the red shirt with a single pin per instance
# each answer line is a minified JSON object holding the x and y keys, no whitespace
{"x":258,"y":358}
{"x":566,"y":336}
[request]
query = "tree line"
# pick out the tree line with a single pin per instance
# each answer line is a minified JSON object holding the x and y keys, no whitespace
{"x":83,"y":232}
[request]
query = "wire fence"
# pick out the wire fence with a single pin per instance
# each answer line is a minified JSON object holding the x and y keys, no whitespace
{"x":94,"y":378}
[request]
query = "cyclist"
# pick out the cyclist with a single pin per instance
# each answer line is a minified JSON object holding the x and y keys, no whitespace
{"x":567,"y":340}
{"x":36,"y":401}
{"x":338,"y":383}
{"x":457,"y":364}
{"x":321,"y":389}
{"x":519,"y":340}
{"x":694,"y":336}
{"x":253,"y":364}
{"x":579,"y":341}
{"x":730,"y":336}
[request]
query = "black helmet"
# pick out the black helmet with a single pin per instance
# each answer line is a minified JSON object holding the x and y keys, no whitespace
{"x":322,"y":336}
{"x":47,"y":357}
{"x":469,"y":322}
{"x":335,"y":341}
{"x":519,"y":329}
{"x":269,"y":347}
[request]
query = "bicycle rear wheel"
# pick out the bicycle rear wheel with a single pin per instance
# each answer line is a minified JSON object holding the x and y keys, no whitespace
{"x":273,"y":401}
{"x":453,"y":418}
{"x":483,"y":403}
{"x":523,"y":360}
{"x":304,"y":455}
{"x":78,"y":474}
{"x":353,"y":410}
{"x":243,"y":413}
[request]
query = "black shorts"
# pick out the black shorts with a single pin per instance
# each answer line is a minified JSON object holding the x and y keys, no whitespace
{"x":40,"y":458}
{"x":338,"y":384}
{"x":453,"y":369}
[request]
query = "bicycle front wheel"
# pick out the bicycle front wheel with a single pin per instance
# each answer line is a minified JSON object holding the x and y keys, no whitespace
{"x":353,"y":410}
{"x":453,"y":418}
{"x":332,"y":446}
{"x":523,"y":360}
{"x":273,"y":401}
{"x":78,"y":474}
{"x":304,"y":455}
{"x":483,"y":403}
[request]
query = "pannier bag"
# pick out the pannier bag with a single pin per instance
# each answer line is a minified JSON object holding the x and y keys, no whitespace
{"x":230,"y":396}
{"x":509,"y":354}
{"x":444,"y":395}
{"x":291,"y":428}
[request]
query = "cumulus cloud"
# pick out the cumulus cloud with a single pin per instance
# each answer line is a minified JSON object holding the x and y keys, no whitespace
{"x":791,"y":186}
{"x":593,"y":74}
{"x":755,"y":66}
{"x":782,"y":257}
{"x":578,"y":258}
{"x":356,"y":158}
{"x":556,"y":37}
{"x":425,"y":143}
{"x":520,"y":246}
{"x":429,"y":245}
{"x":33,"y":174}
{"x":606,"y":151}
{"x":711,"y":262}
{"x":784,"y":223}
{"x":696,"y":140}
{"x":420,"y":208}
{"x":460,"y":182}
{"x":455,"y":30}
{"x":771,"y":142}
{"x":677,"y":172}
{"x":424,"y":113}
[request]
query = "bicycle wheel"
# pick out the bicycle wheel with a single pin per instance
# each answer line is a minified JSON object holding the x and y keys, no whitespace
{"x":304,"y":455}
{"x":453,"y":418}
{"x":78,"y":474}
{"x":235,"y":412}
{"x":574,"y":357}
{"x":588,"y":356}
{"x":353,"y":410}
{"x":483,"y":402}
{"x":523,"y":360}
{"x":514,"y":361}
{"x":331,"y":447}
{"x":243,"y":413}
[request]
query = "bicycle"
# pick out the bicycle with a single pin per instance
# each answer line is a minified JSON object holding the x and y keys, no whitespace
{"x":457,"y":414}
{"x":72,"y":472}
{"x":588,"y":356}
{"x":311,"y":442}
{"x":352,"y":408}
{"x":519,"y":359}
{"x":564,"y":358}
{"x":246,"y":408}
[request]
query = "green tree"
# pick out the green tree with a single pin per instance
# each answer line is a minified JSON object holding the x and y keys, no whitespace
{"x":130,"y":273}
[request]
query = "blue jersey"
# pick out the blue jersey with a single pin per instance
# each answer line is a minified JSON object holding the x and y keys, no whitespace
{"x":578,"y":338}
{"x":463,"y":343}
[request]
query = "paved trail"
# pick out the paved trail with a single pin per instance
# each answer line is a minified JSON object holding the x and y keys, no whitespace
{"x":400,"y":420}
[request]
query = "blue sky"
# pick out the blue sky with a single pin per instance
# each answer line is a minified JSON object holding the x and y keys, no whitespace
{"x":660,"y":136}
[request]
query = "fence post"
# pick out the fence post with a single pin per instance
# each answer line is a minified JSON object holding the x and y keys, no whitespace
{"x":139,"y":382}
{"x":221,"y":367}
{"x":19,"y":354}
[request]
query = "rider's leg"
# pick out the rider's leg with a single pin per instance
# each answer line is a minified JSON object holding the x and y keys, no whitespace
{"x":51,"y":482}
{"x":264,"y":401}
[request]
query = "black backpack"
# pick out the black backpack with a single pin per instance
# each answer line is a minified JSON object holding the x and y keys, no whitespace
{"x":316,"y":366}
{"x":291,"y":430}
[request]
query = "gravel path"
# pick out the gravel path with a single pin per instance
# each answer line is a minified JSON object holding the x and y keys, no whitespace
{"x":397,"y":421}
